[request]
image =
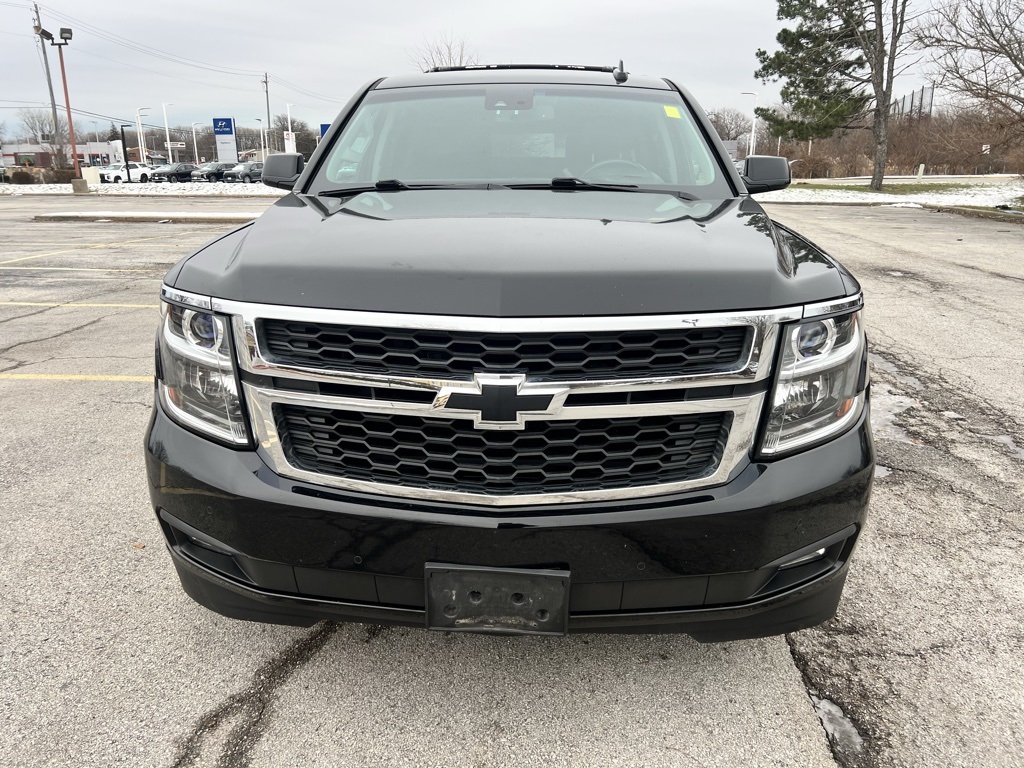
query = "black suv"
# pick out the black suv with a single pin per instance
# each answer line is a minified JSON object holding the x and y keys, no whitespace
{"x":519,"y":353}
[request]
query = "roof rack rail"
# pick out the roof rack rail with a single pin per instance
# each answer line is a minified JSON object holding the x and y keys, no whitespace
{"x":619,"y":73}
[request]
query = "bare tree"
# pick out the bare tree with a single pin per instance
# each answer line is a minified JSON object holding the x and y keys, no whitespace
{"x":977,"y":50}
{"x":730,"y":123}
{"x":38,"y":126}
{"x":445,"y":50}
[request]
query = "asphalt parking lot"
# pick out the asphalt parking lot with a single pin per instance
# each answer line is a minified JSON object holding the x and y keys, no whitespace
{"x":104,"y":661}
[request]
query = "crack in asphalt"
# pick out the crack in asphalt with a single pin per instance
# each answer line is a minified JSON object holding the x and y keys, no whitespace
{"x":865,"y":756}
{"x":65,"y":332}
{"x":935,"y":395}
{"x":250,"y":708}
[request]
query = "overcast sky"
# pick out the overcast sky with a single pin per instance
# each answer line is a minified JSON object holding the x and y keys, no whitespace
{"x":325,"y":50}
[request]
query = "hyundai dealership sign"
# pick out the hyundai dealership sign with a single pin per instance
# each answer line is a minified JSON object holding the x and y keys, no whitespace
{"x":224,"y":133}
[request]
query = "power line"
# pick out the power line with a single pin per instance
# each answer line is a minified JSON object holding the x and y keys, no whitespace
{"x":146,"y":49}
{"x":79,"y":49}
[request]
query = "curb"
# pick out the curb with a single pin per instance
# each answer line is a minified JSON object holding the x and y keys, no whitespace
{"x":979,"y":213}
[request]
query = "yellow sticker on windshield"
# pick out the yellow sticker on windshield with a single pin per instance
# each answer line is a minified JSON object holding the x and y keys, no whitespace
{"x":672,"y":112}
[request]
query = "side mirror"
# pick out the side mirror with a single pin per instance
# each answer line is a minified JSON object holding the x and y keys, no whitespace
{"x":282,"y":170}
{"x":764,"y":173}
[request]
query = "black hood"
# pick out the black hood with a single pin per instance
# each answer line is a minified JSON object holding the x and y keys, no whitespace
{"x":512,"y":253}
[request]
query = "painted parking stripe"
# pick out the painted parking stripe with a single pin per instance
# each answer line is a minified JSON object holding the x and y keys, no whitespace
{"x":70,"y":377}
{"x":93,"y":246}
{"x":74,"y":304}
{"x":81,"y":269}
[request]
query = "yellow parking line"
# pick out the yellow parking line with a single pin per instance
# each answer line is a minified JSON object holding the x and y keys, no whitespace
{"x":99,"y":245}
{"x":80,"y":269}
{"x":73,"y":304}
{"x":70,"y":377}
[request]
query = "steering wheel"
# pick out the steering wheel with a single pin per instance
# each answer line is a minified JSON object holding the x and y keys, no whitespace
{"x":619,"y":170}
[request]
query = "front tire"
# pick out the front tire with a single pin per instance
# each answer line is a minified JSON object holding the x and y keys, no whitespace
{"x":247,"y":179}
{"x":117,"y":180}
{"x":172,"y":179}
{"x":143,"y":179}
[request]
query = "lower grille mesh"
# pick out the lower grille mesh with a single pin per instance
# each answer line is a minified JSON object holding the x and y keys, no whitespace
{"x":546,"y":457}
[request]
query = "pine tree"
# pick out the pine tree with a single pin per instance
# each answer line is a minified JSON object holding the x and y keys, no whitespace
{"x":838,"y":63}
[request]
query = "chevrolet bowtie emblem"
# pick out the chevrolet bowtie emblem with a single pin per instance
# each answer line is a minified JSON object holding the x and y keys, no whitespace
{"x":499,"y":401}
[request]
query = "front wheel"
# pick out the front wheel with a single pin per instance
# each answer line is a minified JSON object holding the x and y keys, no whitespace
{"x":247,"y":179}
{"x":173,"y":179}
{"x":117,"y":179}
{"x":143,"y":179}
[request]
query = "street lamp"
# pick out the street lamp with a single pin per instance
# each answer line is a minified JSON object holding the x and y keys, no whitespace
{"x":195,"y":147}
{"x":752,"y":145}
{"x":167,"y":134}
{"x":263,"y":152}
{"x":288,"y":107}
{"x":65,"y":38}
{"x":124,"y":153}
{"x":142,"y":139}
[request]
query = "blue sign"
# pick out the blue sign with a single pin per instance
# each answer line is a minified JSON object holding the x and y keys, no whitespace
{"x":323,"y":129}
{"x":223,"y":125}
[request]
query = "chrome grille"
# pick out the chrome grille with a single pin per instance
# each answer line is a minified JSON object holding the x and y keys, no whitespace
{"x":545,"y":457}
{"x":562,"y":356}
{"x":330,"y":422}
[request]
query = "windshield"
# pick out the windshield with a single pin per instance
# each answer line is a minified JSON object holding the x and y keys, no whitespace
{"x":524,"y":134}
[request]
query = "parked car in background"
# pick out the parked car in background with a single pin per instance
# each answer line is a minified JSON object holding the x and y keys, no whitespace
{"x":211,"y":171}
{"x":174,"y":172}
{"x":116,"y":174}
{"x":245,"y":173}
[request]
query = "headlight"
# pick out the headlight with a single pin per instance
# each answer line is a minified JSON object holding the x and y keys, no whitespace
{"x":818,"y":389}
{"x":197,"y":384}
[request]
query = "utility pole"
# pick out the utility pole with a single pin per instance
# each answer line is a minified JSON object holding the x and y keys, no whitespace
{"x":270,"y":132}
{"x":37,"y":28}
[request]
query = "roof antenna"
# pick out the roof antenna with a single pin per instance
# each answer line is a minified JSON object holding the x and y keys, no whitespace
{"x":620,"y":74}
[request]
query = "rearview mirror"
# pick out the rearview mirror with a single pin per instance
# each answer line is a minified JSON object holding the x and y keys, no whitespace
{"x":282,"y":170}
{"x":765,"y":173}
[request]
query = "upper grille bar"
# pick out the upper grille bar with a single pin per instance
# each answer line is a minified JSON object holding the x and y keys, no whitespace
{"x":556,"y":356}
{"x":759,"y":328}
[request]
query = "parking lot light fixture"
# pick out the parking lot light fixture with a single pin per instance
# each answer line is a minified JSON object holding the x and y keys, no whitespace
{"x":65,"y":38}
{"x":142,"y":139}
{"x":752,"y":144}
{"x":167,"y":134}
{"x":195,"y":147}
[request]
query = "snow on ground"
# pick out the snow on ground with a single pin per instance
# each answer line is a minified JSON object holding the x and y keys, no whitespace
{"x":151,"y":189}
{"x":988,"y":193}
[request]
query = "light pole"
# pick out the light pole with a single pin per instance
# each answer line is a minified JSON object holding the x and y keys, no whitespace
{"x":142,"y":139}
{"x":195,"y":147}
{"x":167,"y":134}
{"x":65,"y":38}
{"x":37,"y":27}
{"x":752,"y":145}
{"x":263,"y":152}
{"x":288,"y":108}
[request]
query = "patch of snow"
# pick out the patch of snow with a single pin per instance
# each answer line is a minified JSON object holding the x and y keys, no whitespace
{"x":151,"y":189}
{"x":987,"y":195}
{"x":1008,"y":442}
{"x":904,"y":205}
{"x":990,"y":192}
{"x":882,"y":471}
{"x":841,"y":731}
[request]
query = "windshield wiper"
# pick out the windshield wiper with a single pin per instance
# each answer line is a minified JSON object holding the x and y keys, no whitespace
{"x":570,"y":183}
{"x":394,"y":185}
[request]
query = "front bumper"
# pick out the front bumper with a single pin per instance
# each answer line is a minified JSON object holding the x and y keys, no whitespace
{"x":712,"y":563}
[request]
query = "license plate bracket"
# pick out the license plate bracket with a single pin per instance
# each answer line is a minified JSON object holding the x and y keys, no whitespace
{"x":507,"y":601}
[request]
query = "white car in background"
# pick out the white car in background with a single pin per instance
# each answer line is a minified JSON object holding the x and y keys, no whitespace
{"x":116,"y":174}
